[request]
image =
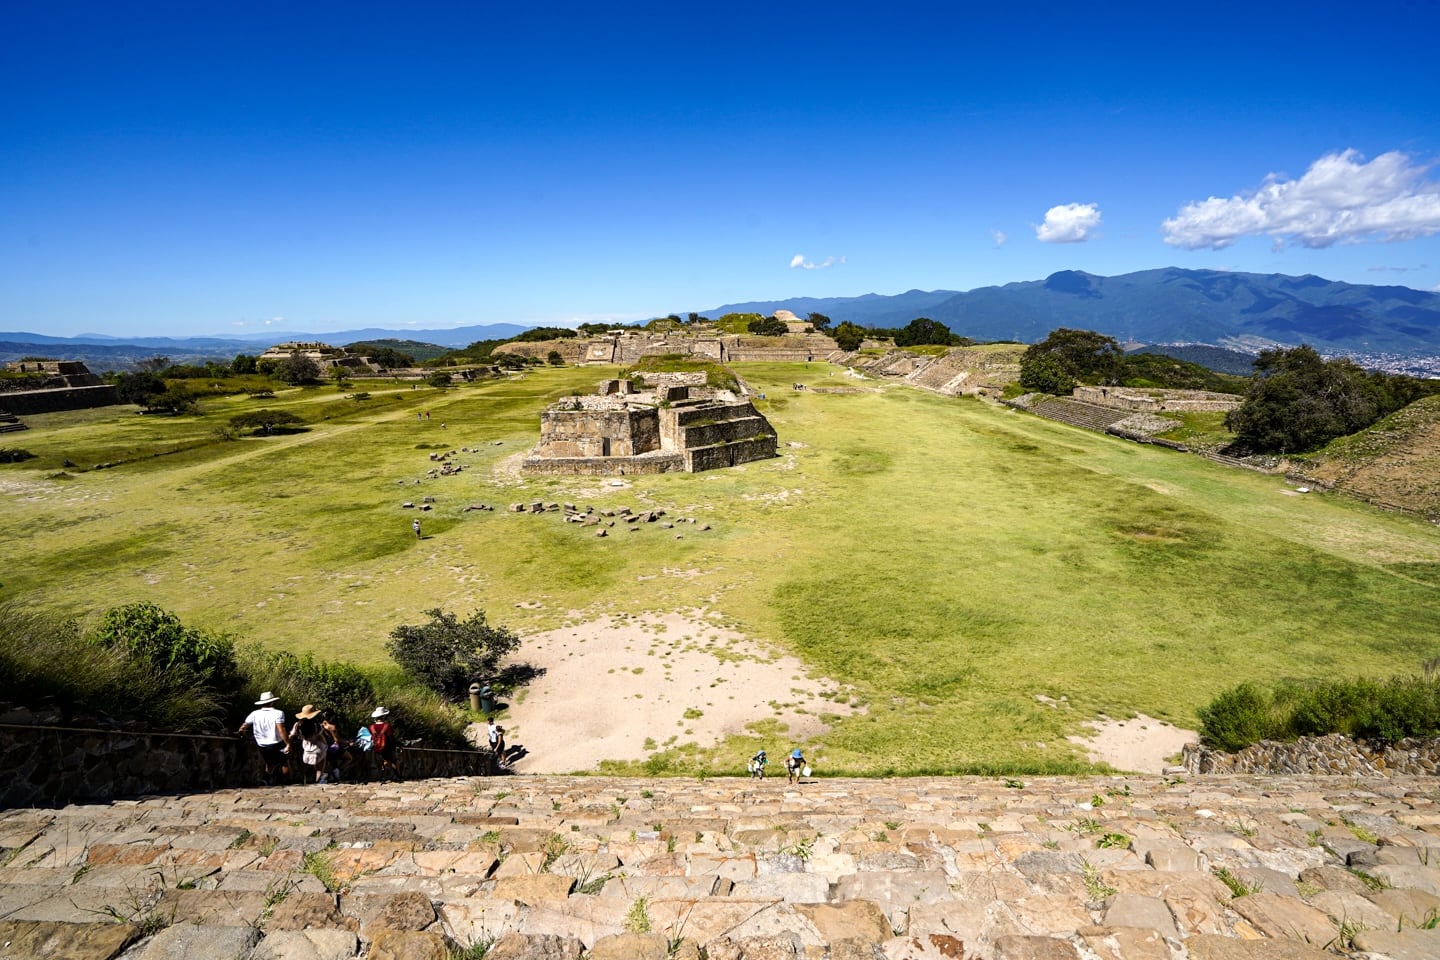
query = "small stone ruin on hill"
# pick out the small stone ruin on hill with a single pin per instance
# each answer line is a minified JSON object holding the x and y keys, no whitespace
{"x":673,"y":423}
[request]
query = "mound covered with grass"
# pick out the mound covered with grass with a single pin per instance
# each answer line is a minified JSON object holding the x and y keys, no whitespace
{"x":1394,"y":463}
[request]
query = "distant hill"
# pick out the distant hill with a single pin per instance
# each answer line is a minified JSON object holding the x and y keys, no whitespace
{"x":1218,"y":359}
{"x":101,"y":352}
{"x":1169,"y":305}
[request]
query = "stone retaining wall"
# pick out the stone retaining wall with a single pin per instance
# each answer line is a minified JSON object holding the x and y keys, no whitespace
{"x":27,"y":402}
{"x":1333,"y":754}
{"x":55,"y":766}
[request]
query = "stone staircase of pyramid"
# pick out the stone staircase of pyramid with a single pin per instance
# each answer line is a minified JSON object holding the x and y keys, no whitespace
{"x":1091,"y":868}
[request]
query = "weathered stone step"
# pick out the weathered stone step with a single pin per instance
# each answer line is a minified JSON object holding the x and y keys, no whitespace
{"x":1137,"y":868}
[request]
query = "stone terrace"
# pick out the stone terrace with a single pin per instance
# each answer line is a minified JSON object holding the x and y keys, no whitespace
{"x":1118,"y":868}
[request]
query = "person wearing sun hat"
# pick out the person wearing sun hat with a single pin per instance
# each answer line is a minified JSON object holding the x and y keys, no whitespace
{"x":267,"y":724}
{"x":313,"y":742}
{"x":382,"y":738}
{"x":794,"y":764}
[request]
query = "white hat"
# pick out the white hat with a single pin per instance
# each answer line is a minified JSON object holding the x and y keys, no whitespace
{"x":266,"y":697}
{"x":380,"y":712}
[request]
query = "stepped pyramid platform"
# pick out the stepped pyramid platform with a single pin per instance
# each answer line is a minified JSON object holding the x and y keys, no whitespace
{"x":1090,"y":868}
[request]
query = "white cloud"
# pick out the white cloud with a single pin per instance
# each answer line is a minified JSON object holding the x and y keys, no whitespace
{"x":1069,"y":223}
{"x":799,"y":261}
{"x":1340,"y":199}
{"x":999,"y":237}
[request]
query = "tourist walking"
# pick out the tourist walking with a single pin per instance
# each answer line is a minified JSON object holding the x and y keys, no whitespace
{"x":335,"y":748}
{"x":266,"y":723}
{"x":314,"y":745}
{"x":384,"y":745}
{"x":496,"y":735}
{"x":415,"y":525}
{"x":757,"y":765}
{"x":795,"y":766}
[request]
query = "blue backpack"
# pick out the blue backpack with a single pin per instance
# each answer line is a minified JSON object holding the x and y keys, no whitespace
{"x":363,"y":739}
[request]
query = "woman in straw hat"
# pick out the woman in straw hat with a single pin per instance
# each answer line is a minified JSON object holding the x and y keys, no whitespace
{"x":313,"y":742}
{"x":267,"y":724}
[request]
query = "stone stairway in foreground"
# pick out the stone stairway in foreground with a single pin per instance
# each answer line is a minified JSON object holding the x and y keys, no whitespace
{"x":1098,"y":868}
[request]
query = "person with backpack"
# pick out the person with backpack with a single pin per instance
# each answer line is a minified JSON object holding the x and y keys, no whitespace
{"x":757,"y":765}
{"x":496,"y":735}
{"x":314,"y":744}
{"x":364,"y":746}
{"x":384,"y":744}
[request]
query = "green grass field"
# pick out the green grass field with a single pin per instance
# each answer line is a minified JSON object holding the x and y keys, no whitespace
{"x":949,"y":558}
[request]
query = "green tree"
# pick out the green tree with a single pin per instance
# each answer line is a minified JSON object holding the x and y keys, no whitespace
{"x":440,"y":379}
{"x":547,"y":333}
{"x":1045,"y":373}
{"x":447,"y":654}
{"x":849,"y":336}
{"x":1084,"y":356}
{"x":146,"y":631}
{"x":297,"y":369}
{"x":819,"y":321}
{"x":139,"y":387}
{"x":1296,"y":400}
{"x":266,"y":421}
{"x":242,"y":364}
{"x":767,"y":327}
{"x":176,"y":398}
{"x":921,"y":331}
{"x":555,"y":359}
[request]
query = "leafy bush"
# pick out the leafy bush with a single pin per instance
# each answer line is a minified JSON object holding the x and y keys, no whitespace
{"x":1391,"y":710}
{"x":45,"y":661}
{"x":447,"y":654}
{"x":146,"y":632}
{"x":267,"y":421}
{"x":1236,"y":718}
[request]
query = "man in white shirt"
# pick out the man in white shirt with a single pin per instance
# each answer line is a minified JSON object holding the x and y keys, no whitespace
{"x":267,"y":724}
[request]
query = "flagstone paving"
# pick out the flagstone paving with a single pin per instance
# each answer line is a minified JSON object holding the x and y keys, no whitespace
{"x":1098,"y":868}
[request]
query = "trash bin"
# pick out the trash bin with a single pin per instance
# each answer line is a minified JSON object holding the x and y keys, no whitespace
{"x":487,"y":700}
{"x":474,"y":696}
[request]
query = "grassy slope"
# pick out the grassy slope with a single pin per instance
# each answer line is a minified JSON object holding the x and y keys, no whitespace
{"x":950,"y":558}
{"x":1395,"y":462}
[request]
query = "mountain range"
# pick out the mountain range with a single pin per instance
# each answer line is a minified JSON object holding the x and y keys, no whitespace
{"x":1169,"y":305}
{"x":1245,"y":311}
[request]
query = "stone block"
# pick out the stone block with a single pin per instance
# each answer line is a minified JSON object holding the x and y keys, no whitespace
{"x":529,"y":889}
{"x":1126,"y":943}
{"x":401,"y":911}
{"x":855,"y":920}
{"x":1405,"y":944}
{"x":1412,"y":876}
{"x":518,"y":946}
{"x":1281,"y":917}
{"x":307,"y":945}
{"x":1134,"y":910}
{"x":791,"y":887}
{"x":408,"y":945}
{"x":630,"y":946}
{"x":212,"y":908}
{"x":1408,"y":907}
{"x":1035,"y":948}
{"x":475,"y":920}
{"x":26,"y":939}
{"x":1168,"y":855}
{"x":1056,"y":915}
{"x":190,"y":941}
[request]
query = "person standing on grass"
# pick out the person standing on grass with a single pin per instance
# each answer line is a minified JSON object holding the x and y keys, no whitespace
{"x":267,"y":724}
{"x":314,"y":745}
{"x":415,"y":525}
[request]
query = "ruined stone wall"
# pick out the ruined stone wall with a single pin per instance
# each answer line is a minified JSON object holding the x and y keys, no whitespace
{"x":1333,"y":754}
{"x":597,"y":433}
{"x":649,"y":463}
{"x":54,"y":766}
{"x":49,"y":401}
{"x":1121,"y":398}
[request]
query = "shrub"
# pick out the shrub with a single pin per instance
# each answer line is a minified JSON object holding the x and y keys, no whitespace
{"x":266,"y":421}
{"x":1236,"y":718}
{"x":15,"y":455}
{"x":446,"y":654}
{"x":144,"y":631}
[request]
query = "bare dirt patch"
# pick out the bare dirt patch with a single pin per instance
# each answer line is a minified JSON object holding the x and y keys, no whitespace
{"x":623,"y":688}
{"x":1140,"y":745}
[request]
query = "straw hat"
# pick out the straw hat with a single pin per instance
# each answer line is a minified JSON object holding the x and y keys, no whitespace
{"x":380,"y":712}
{"x":308,"y":711}
{"x":266,"y":697}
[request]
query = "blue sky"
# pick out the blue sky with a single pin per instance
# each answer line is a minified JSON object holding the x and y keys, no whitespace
{"x":202,"y":168}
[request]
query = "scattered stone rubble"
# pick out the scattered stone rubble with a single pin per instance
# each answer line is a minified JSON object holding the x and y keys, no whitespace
{"x":1097,"y":868}
{"x":1332,"y":754}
